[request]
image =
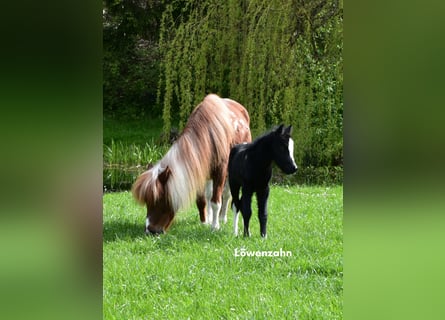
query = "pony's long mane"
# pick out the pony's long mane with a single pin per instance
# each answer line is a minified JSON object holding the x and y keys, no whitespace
{"x":205,"y":141}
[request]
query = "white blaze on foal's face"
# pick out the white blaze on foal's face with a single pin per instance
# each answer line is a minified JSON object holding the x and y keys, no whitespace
{"x":291,"y":150}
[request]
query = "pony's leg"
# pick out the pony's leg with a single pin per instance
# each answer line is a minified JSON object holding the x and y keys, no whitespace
{"x":262,"y":196}
{"x":201,"y":204}
{"x":246,"y":210}
{"x":216,"y":207}
{"x":218,"y":186}
{"x":226,"y":197}
{"x":208,"y":197}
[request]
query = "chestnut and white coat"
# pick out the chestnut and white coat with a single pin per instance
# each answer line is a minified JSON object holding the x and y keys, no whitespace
{"x":199,"y":155}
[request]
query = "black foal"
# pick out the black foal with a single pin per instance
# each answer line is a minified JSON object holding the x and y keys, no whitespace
{"x":250,"y":168}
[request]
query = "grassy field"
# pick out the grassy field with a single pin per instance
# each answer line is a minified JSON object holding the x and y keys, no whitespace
{"x":193,"y":273}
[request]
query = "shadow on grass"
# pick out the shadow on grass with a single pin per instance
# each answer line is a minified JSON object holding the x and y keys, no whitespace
{"x":122,"y":230}
{"x":185,"y":230}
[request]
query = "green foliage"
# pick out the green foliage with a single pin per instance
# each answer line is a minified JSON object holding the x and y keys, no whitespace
{"x":130,"y":57}
{"x":310,"y":176}
{"x":123,"y":163}
{"x":132,"y":131}
{"x":178,"y":275}
{"x":128,"y":147}
{"x":281,"y":59}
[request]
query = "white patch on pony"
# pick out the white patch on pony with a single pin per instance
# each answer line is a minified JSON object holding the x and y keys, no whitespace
{"x":155,"y":171}
{"x":147,"y":223}
{"x":235,"y":220}
{"x":234,"y":119}
{"x":208,"y":196}
{"x":215,"y":210}
{"x":236,"y":125}
{"x":209,"y":218}
{"x":151,"y":182}
{"x":239,"y":123}
{"x":291,"y":151}
{"x":179,"y":188}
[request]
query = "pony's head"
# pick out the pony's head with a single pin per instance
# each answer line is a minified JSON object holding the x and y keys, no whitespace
{"x":283,"y":149}
{"x":151,"y":189}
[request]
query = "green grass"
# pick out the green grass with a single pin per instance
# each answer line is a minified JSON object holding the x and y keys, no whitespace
{"x":192,"y":273}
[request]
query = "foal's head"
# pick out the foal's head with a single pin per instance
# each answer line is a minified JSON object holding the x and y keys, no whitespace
{"x":283,"y":149}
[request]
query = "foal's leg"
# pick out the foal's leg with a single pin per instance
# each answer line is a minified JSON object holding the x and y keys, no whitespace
{"x":236,"y":203}
{"x":262,"y":196}
{"x":246,"y":210}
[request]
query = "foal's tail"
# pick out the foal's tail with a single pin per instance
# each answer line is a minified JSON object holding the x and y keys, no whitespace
{"x":234,"y":186}
{"x":236,"y":202}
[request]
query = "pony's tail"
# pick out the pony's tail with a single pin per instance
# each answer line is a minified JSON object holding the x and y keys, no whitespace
{"x":139,"y":188}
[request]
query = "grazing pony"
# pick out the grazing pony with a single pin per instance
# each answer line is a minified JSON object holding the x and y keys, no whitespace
{"x":199,"y":154}
{"x":250,"y":168}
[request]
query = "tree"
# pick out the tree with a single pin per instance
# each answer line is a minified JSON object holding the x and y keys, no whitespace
{"x":131,"y":56}
{"x":281,"y":59}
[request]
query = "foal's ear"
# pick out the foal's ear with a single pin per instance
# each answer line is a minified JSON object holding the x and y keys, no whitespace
{"x":280,"y":129}
{"x":288,"y":130}
{"x":164,"y":175}
{"x":149,"y":166}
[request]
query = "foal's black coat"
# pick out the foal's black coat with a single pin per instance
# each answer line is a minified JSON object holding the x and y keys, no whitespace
{"x":250,"y":168}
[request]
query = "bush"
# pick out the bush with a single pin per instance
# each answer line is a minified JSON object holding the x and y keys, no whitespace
{"x":281,"y":59}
